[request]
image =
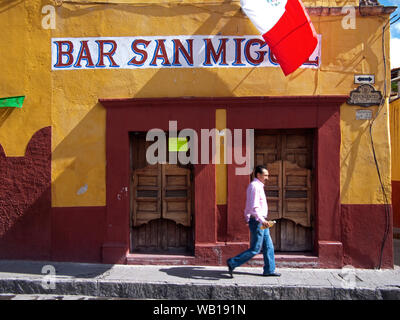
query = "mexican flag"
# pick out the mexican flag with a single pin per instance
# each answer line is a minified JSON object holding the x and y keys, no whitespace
{"x":286,"y":28}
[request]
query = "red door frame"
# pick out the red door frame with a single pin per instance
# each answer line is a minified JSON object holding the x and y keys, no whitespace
{"x":319,"y":112}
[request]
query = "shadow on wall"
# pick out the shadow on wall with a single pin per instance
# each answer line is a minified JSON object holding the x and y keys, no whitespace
{"x":25,"y":200}
{"x":355,"y":126}
{"x":4,"y":114}
{"x":29,"y":227}
{"x":78,"y":229}
{"x":8,"y":4}
{"x":192,"y":82}
{"x":153,"y":10}
{"x":78,"y":159}
{"x":207,"y":83}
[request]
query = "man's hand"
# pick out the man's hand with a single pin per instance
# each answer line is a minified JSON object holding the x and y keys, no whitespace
{"x":266,"y":224}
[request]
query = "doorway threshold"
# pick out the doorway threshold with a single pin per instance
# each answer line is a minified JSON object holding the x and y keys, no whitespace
{"x":290,"y":260}
{"x":160,"y":259}
{"x":282,"y":260}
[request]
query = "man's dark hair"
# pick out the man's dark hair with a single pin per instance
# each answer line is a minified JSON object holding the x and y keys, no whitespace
{"x":259,"y":169}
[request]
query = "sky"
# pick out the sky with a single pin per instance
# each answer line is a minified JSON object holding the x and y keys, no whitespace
{"x":395,"y":34}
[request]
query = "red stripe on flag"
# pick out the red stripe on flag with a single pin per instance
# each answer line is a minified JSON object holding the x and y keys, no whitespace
{"x":293,"y":38}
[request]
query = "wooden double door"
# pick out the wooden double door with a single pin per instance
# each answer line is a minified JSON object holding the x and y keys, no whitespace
{"x":289,"y":190}
{"x":161,"y":203}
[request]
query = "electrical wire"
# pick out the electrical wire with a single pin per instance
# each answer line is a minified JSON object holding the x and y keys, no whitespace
{"x":387,"y":208}
{"x":395,"y":20}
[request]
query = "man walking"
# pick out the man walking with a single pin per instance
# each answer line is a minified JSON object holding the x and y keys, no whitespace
{"x":255,"y":213}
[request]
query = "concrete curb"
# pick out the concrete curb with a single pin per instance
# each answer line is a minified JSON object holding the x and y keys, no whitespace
{"x":195,"y":282}
{"x":135,"y":290}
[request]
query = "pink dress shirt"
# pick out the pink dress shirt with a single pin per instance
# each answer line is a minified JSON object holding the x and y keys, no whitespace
{"x":256,"y":202}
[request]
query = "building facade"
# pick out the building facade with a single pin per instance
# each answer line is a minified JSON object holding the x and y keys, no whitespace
{"x":75,"y":179}
{"x":395,"y":140}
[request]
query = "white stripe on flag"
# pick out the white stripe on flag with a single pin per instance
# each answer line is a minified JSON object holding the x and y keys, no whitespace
{"x":264,"y":14}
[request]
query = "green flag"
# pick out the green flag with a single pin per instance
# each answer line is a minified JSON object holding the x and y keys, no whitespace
{"x":177,"y":144}
{"x":12,"y":102}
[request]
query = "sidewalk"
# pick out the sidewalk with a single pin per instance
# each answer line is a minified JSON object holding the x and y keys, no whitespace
{"x":194,"y":282}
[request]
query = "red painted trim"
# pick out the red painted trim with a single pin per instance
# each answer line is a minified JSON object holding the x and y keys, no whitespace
{"x":330,"y":254}
{"x":124,"y":115}
{"x":237,"y":230}
{"x":328,"y":174}
{"x":322,"y":114}
{"x":205,"y":208}
{"x":363,"y":228}
{"x":212,"y":102}
{"x":78,"y":233}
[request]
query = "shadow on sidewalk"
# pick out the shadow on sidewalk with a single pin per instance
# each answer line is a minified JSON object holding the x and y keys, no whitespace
{"x":68,"y":269}
{"x":202,"y":273}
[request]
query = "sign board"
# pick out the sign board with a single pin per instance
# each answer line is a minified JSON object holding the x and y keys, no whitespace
{"x":364,"y":78}
{"x":365,"y":95}
{"x":192,"y":51}
{"x":363,"y":114}
{"x":177,"y":144}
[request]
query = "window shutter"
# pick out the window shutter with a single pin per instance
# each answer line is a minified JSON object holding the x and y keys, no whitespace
{"x":296,"y":193}
{"x":176,"y":194}
{"x":146,"y":194}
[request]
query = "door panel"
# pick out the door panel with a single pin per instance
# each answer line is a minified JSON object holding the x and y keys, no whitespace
{"x":267,"y":148}
{"x":176,"y":198}
{"x":297,"y":194}
{"x":161,"y":236}
{"x":288,"y":156}
{"x":146,"y":194}
{"x":161,"y":203}
{"x":297,"y":148}
{"x":274,"y":190}
{"x":294,"y":237}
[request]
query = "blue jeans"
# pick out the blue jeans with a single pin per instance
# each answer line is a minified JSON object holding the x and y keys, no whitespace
{"x":258,"y":238}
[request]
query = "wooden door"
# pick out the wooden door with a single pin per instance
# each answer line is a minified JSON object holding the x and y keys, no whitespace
{"x":288,"y":156}
{"x":146,"y":194}
{"x":161,"y":204}
{"x":176,"y":196}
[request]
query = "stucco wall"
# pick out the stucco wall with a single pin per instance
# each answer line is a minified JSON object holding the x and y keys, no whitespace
{"x":395,"y":144}
{"x":395,"y":138}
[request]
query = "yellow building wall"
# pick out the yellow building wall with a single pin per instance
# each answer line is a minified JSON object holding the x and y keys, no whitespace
{"x":221,"y":167}
{"x":359,"y":177}
{"x":395,"y":138}
{"x":68,"y":100}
